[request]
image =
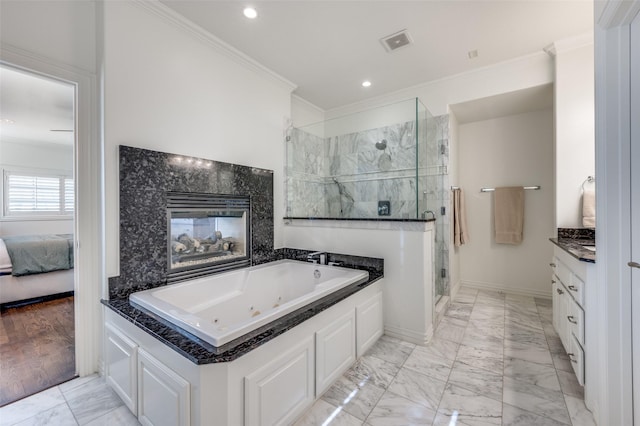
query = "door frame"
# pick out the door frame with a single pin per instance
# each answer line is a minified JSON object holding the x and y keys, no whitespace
{"x":88,"y":217}
{"x":614,"y":400}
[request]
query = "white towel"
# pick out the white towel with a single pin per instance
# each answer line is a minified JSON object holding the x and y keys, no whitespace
{"x":589,"y":208}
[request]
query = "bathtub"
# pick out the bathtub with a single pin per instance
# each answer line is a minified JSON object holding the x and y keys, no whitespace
{"x":225,"y":306}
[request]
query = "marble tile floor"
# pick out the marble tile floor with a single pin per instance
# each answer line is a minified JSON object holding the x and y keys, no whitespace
{"x":81,"y":401}
{"x":494,"y":360}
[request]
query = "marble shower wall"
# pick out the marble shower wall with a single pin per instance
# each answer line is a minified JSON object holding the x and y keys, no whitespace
{"x":345,"y":176}
{"x":145,"y":178}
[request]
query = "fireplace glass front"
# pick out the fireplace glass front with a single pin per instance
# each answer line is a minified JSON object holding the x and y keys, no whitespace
{"x":207,"y":236}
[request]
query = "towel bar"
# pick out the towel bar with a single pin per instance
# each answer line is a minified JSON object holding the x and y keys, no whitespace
{"x":493,"y":189}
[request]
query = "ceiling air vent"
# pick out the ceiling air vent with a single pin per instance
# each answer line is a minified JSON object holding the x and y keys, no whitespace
{"x":396,"y":41}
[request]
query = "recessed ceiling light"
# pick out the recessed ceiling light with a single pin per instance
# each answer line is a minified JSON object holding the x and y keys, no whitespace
{"x":366,"y":83}
{"x":250,"y":12}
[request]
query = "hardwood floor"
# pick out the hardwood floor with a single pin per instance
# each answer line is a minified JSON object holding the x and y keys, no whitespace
{"x":36,"y":348}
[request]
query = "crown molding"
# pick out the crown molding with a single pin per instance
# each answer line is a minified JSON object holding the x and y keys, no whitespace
{"x":172,"y":17}
{"x":616,"y":13}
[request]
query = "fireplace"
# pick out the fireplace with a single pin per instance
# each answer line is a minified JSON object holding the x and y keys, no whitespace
{"x":207,"y":233}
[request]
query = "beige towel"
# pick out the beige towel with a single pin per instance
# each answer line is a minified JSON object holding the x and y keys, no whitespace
{"x":460,"y":233}
{"x":589,"y":208}
{"x":508,"y":214}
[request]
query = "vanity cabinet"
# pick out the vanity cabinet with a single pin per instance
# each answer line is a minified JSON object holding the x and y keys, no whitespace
{"x":273,"y":384}
{"x":568,"y":291}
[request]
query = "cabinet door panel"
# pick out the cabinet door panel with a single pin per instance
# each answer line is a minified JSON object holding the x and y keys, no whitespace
{"x":280,"y":391}
{"x":335,"y":350}
{"x":163,"y":396}
{"x":369,"y":324}
{"x":121,"y":366}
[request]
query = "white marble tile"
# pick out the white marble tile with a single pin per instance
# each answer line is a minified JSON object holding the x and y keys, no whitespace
{"x":544,"y":376}
{"x":477,"y":380}
{"x":524,"y":334}
{"x":569,"y":384}
{"x":323,"y":413}
{"x":391,"y":349}
{"x":528,"y":351}
{"x":92,"y":400}
{"x":542,"y":401}
{"x":418,"y":388}
{"x":467,"y":408}
{"x":524,"y":318}
{"x":120,"y":416}
{"x":467,"y":298}
{"x":514,"y":416}
{"x":485,"y":329}
{"x":394,"y":410}
{"x":449,"y":331}
{"x":480,"y":358}
{"x":555,"y":344}
{"x":562,"y":362}
{"x":461,"y":311}
{"x":483,"y":312}
{"x":429,"y":363}
{"x":60,"y":415}
{"x":579,"y":413}
{"x":439,"y":347}
{"x":74,"y":383}
{"x":357,"y":399}
{"x":28,"y":407}
{"x":374,"y":370}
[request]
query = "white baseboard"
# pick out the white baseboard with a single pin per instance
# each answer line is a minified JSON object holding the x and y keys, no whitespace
{"x":409,"y":335}
{"x":455,"y":288}
{"x":506,"y":289}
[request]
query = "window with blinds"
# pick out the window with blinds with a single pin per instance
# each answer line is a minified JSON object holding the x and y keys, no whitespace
{"x":27,"y":194}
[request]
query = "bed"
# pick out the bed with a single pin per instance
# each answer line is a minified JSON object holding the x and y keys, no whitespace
{"x":35,"y":267}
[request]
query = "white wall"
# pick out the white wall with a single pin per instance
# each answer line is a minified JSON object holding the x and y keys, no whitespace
{"x":575,"y":132}
{"x":169,"y":90}
{"x":44,"y":157}
{"x":508,"y":151}
{"x":64,"y":30}
{"x":304,"y":113}
{"x":408,"y":267}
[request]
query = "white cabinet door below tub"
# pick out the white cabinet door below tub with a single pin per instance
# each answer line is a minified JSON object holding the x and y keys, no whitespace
{"x":369,"y":325}
{"x":335,"y":350}
{"x":163,"y":396}
{"x":121,"y":364}
{"x":279,"y":392}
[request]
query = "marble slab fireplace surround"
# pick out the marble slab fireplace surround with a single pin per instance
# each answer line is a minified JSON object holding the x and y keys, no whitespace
{"x":146,"y":177}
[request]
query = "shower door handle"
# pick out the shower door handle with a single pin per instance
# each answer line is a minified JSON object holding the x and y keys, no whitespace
{"x":634,"y":264}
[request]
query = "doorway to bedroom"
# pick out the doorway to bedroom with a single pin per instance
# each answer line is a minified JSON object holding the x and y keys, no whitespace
{"x":37,"y":226}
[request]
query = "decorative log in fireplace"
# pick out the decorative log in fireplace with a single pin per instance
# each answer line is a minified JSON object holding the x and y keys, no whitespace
{"x":207,"y":233}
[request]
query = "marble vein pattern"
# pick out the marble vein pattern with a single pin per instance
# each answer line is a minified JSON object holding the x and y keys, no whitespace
{"x":394,"y":383}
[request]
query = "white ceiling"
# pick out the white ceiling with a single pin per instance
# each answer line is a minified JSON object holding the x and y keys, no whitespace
{"x":35,"y":106}
{"x":329,"y":47}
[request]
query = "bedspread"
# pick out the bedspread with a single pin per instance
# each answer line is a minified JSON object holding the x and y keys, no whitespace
{"x":33,"y":254}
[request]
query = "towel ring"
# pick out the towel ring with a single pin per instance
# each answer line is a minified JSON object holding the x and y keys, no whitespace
{"x":589,"y":179}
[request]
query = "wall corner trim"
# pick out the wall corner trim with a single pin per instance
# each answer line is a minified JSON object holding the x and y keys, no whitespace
{"x":174,"y":18}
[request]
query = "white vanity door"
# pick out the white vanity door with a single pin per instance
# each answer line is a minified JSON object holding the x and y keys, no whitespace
{"x":279,"y":392}
{"x":163,"y":396}
{"x":335,"y":350}
{"x":369,"y":323}
{"x":121,"y":365}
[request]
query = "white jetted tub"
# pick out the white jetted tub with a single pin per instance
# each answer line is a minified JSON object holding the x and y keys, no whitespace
{"x":225,"y":306}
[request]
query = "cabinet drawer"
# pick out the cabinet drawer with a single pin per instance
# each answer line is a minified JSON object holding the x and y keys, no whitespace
{"x":562,"y":272}
{"x":576,"y":288}
{"x":575,"y":316}
{"x":576,"y":355}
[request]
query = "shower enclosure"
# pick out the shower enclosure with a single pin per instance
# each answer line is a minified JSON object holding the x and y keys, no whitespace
{"x":384,"y":163}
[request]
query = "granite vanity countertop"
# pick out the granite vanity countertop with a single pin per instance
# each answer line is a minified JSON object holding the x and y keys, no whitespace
{"x":200,"y":352}
{"x":575,"y":247}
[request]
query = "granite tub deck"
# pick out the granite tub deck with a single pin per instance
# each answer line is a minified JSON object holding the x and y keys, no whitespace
{"x":574,"y":240}
{"x":200,"y":352}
